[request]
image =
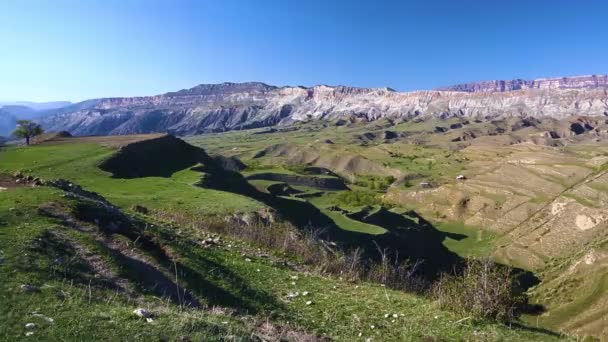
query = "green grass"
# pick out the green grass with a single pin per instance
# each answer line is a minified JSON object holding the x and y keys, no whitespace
{"x":78,"y":163}
{"x":477,"y":243}
{"x":339,"y":309}
{"x":353,"y":225}
{"x":79,"y":311}
{"x":333,"y":199}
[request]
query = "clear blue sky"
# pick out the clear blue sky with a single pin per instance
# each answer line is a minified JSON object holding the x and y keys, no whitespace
{"x":79,"y":49}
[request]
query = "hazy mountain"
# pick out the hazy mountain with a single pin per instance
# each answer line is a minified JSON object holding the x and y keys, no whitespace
{"x":37,"y":106}
{"x":227,"y":106}
{"x":10,"y":112}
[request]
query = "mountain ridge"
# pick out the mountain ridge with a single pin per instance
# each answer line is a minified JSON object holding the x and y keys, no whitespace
{"x":228,"y":106}
{"x":573,"y":82}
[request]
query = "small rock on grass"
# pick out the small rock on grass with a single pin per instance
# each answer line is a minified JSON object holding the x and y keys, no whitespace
{"x":39,"y":315}
{"x":141,"y":312}
{"x":30,"y":326}
{"x":29,"y":288}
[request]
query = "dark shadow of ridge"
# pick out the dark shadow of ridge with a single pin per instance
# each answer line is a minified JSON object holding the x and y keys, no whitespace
{"x":405,"y":239}
{"x":409,"y":236}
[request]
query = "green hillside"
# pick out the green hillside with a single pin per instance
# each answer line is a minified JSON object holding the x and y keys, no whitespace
{"x":91,"y":261}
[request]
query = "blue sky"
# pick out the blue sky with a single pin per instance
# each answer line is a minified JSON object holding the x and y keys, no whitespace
{"x":75,"y":50}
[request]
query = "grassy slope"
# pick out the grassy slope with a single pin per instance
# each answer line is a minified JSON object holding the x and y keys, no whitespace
{"x":340,"y":310}
{"x":78,"y":163}
{"x":478,"y":242}
{"x":428,"y":162}
{"x":79,"y":312}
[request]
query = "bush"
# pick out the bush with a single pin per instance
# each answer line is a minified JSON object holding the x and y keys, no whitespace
{"x":358,"y":198}
{"x":375,"y":182}
{"x":483,"y":289}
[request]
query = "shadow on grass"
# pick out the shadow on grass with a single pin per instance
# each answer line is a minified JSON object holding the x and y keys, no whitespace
{"x":409,"y":236}
{"x":182,"y":279}
{"x":406,"y":238}
{"x":60,"y":260}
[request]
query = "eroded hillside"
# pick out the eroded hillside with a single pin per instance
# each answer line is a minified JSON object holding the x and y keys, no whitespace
{"x":532,"y":192}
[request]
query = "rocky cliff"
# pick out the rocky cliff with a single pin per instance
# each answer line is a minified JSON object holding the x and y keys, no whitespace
{"x":576,"y":82}
{"x":228,"y":106}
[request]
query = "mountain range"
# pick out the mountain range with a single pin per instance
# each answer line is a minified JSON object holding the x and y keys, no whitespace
{"x":10,"y":112}
{"x":232,"y":106}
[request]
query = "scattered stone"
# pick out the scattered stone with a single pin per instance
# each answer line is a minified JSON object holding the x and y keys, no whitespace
{"x":29,"y":288}
{"x":309,"y":302}
{"x":141,"y":312}
{"x":395,"y":315}
{"x":292,"y":295}
{"x":305,"y":293}
{"x":39,"y":315}
{"x":294,"y":277}
{"x":247,"y":259}
{"x":30,"y":326}
{"x":29,"y":333}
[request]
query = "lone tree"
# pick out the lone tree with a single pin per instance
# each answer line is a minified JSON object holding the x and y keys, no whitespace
{"x":27,"y":129}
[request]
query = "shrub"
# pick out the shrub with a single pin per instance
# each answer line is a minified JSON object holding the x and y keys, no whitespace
{"x":358,"y":198}
{"x":483,"y":289}
{"x":375,"y":182}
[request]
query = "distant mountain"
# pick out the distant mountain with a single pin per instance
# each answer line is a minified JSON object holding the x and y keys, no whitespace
{"x":228,"y":106}
{"x":37,"y":106}
{"x":10,"y":112}
{"x":576,"y":82}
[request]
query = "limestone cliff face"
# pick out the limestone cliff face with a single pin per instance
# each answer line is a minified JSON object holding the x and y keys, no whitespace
{"x":576,"y":82}
{"x":227,"y":106}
